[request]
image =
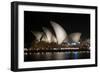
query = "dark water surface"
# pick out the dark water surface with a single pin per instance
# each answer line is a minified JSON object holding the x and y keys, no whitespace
{"x":44,"y":56}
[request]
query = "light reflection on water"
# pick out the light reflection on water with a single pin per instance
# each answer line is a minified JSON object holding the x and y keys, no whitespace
{"x":43,"y":56}
{"x":75,"y":55}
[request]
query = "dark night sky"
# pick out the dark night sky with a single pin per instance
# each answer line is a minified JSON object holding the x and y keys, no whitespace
{"x":34,"y":21}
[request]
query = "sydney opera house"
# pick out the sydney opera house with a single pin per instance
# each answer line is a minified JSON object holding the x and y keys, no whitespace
{"x":57,"y":44}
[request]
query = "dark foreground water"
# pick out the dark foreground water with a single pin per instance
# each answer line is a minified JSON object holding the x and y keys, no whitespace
{"x":44,"y":56}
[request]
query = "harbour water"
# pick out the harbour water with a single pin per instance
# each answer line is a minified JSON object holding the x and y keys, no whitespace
{"x":67,"y":55}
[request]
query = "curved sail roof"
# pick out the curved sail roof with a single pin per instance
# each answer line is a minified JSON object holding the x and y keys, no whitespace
{"x":59,"y":31}
{"x":38,"y":35}
{"x":48,"y":34}
{"x":75,"y":36}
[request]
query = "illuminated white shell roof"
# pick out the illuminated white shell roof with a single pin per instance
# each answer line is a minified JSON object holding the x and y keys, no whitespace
{"x":48,"y":34}
{"x":75,"y":36}
{"x":59,"y":31}
{"x":49,"y":37}
{"x":38,"y":35}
